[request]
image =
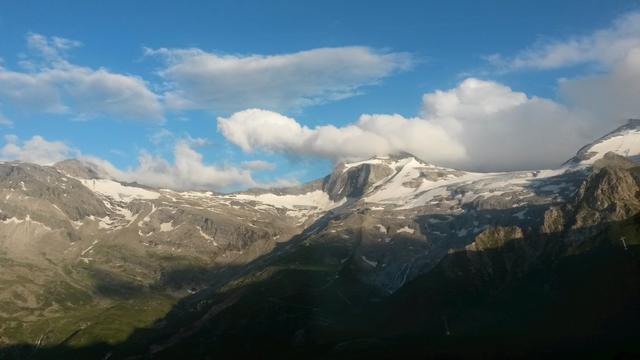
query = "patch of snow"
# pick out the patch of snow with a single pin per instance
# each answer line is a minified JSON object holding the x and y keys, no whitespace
{"x":318,"y":199}
{"x":143,"y":234}
{"x":89,"y":248}
{"x":520,"y":214}
{"x":12,"y":220}
{"x":118,"y":191}
{"x":370,"y":262}
{"x":392,"y":190}
{"x":59,"y":210}
{"x":105,"y":223}
{"x":208,"y":237}
{"x":381,"y":228}
{"x":301,"y":206}
{"x":26,"y":220}
{"x":148,"y":217}
{"x":406,"y":229}
{"x":626,"y":144}
{"x":166,"y":227}
{"x":77,"y":224}
{"x":378,"y":160}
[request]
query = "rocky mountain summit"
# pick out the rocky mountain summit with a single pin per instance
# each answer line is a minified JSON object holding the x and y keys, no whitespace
{"x":87,"y":259}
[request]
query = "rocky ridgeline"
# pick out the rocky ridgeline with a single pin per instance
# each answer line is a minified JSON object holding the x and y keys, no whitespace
{"x":384,"y":221}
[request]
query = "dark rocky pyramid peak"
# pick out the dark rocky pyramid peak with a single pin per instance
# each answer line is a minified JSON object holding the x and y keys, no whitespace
{"x":354,"y":179}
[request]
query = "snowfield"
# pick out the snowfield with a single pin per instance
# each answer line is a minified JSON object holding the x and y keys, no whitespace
{"x":626,"y":144}
{"x":317,"y":199}
{"x":118,"y":191}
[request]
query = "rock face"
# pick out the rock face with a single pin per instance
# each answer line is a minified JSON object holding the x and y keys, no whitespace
{"x":553,"y":222}
{"x":494,"y":238}
{"x":613,"y":160}
{"x":46,"y":187}
{"x":610,"y":194}
{"x":81,"y":242}
{"x":354,"y":181}
{"x":499,"y":252}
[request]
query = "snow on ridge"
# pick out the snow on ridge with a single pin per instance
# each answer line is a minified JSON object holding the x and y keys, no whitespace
{"x":392,"y":189}
{"x":118,"y":191}
{"x":381,"y":228}
{"x":166,"y":227}
{"x":12,"y":220}
{"x":380,"y":160}
{"x":27,"y":220}
{"x":318,"y":199}
{"x":406,"y":229}
{"x":626,"y":143}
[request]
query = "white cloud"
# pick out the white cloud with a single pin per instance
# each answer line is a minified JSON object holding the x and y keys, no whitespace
{"x":199,"y":79}
{"x":471,"y":98}
{"x":611,"y":96}
{"x":372,"y":134}
{"x":265,"y":129}
{"x":258,"y":165}
{"x":51,"y":84}
{"x":479,"y":125}
{"x":52,"y":50}
{"x":35,"y":150}
{"x":502,"y":129}
{"x":187,"y":172}
{"x":605,"y":46}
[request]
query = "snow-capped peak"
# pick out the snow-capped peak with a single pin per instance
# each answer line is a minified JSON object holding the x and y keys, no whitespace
{"x":391,"y":161}
{"x":624,"y":141}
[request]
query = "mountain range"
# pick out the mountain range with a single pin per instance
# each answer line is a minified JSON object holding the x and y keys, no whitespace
{"x":383,"y":257}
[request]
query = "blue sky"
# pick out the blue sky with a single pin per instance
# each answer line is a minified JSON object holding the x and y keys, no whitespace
{"x":158,"y":91}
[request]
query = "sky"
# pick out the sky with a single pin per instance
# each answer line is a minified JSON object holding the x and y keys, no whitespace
{"x":228,"y":95}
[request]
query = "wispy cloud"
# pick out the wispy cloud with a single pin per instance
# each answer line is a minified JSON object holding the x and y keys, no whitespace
{"x":188,"y":171}
{"x":258,"y":165}
{"x":204,"y":80}
{"x":35,"y":150}
{"x":50,"y":83}
{"x":605,"y":46}
{"x":610,"y":94}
